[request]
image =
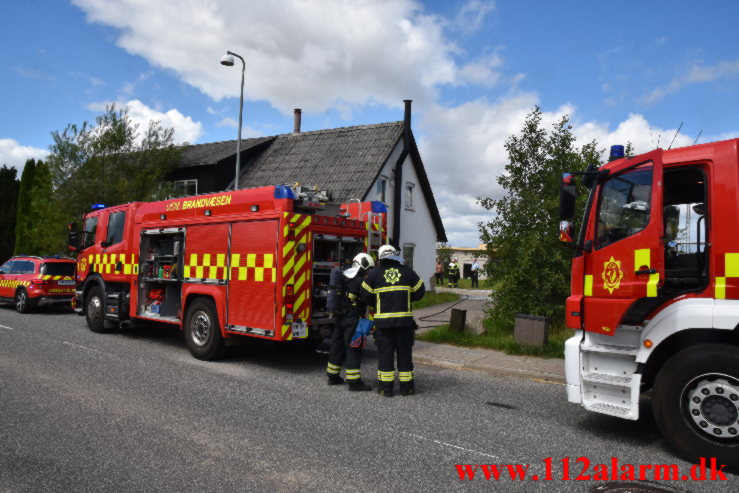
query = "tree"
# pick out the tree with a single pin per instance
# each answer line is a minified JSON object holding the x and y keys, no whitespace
{"x":110,"y":163}
{"x":47,"y":226}
{"x":24,"y":216}
{"x":444,"y":253}
{"x":9,"y":191}
{"x":526,"y":260}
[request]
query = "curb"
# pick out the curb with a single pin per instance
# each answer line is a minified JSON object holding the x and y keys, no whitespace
{"x":491,"y":369}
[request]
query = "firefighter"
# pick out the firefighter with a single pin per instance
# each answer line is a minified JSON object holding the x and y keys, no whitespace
{"x":390,"y":288}
{"x":351,"y":308}
{"x":453,"y":273}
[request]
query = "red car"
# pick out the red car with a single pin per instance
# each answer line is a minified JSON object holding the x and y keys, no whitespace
{"x":28,"y":282}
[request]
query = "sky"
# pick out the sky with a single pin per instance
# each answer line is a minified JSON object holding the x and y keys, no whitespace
{"x":628,"y":71}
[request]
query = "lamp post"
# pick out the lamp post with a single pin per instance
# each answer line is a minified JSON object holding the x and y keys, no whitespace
{"x":228,"y":61}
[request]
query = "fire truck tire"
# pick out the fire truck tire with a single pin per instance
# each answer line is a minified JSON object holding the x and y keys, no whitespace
{"x":95,"y":310}
{"x":203,"y":331}
{"x":23,"y":304}
{"x":696,"y":403}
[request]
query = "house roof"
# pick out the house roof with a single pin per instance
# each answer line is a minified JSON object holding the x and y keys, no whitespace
{"x":212,"y":153}
{"x":344,"y":161}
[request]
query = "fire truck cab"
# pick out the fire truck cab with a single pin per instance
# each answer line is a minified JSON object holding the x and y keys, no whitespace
{"x":655,"y":293}
{"x":253,"y":262}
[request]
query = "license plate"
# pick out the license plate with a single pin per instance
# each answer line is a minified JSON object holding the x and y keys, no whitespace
{"x":300,"y":329}
{"x":65,"y":283}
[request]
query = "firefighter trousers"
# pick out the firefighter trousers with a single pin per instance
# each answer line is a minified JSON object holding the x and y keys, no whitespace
{"x":341,"y":354}
{"x":392,"y":342}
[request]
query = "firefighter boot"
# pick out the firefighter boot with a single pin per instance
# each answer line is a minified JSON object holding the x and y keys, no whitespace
{"x":386,"y":389}
{"x":407,"y":389}
{"x":334,"y":379}
{"x":358,"y":385}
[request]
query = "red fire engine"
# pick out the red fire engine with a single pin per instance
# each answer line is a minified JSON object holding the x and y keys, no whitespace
{"x":655,"y":293}
{"x":252,"y":262}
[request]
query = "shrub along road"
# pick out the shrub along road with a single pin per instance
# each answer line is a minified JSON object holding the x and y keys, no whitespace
{"x":132,"y":410}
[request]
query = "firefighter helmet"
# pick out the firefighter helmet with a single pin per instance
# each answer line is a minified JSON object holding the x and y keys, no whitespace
{"x":387,"y":251}
{"x":364,"y":261}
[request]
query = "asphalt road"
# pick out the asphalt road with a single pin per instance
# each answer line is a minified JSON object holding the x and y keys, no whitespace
{"x":133,"y":411}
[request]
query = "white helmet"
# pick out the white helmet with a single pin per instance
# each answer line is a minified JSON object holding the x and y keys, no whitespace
{"x":387,"y":251}
{"x":364,"y":261}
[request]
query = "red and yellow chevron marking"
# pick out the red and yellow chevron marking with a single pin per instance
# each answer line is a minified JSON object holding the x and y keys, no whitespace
{"x":259,"y":267}
{"x":7,"y":283}
{"x":205,"y":266}
{"x":57,"y":278}
{"x":296,"y":267}
{"x":105,"y":263}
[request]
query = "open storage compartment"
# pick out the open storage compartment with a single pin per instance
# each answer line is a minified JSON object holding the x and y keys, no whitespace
{"x":160,"y":274}
{"x":330,"y":252}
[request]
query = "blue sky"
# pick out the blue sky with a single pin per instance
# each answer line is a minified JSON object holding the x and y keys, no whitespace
{"x":621,"y":70}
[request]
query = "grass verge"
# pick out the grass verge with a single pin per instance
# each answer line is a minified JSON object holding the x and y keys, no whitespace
{"x":467,"y":284}
{"x":500,"y":339}
{"x":434,"y":298}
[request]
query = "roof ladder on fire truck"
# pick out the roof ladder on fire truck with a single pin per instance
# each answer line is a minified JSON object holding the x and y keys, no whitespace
{"x":374,"y":231}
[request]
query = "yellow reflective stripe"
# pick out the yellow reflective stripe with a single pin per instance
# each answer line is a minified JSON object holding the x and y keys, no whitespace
{"x":731,"y":265}
{"x":393,"y":314}
{"x":392,"y":288}
{"x":588,"y":288}
{"x":367,"y":287}
{"x":642,"y":257}
{"x":720,"y":288}
{"x":652,"y":285}
{"x":417,"y":286}
{"x":352,"y":296}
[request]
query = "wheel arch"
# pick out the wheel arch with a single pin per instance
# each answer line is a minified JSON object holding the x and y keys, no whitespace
{"x":682,"y":340}
{"x":207,"y":292}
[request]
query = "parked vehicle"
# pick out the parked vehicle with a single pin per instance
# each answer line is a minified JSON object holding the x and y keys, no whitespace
{"x":253,"y":262}
{"x":655,"y":294}
{"x":29,"y":282}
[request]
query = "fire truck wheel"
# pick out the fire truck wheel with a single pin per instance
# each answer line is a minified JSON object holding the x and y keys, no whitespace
{"x":202,"y":330}
{"x":696,"y":403}
{"x":95,"y":310}
{"x":23,"y":304}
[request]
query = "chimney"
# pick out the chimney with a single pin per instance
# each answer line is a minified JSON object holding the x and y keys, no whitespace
{"x":296,"y":128}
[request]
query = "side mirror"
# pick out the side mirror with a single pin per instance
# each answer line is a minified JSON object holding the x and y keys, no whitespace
{"x":567,"y":197}
{"x":73,"y":242}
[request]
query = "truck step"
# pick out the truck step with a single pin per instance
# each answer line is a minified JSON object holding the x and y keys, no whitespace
{"x":611,"y":410}
{"x":612,"y":349}
{"x":615,"y":380}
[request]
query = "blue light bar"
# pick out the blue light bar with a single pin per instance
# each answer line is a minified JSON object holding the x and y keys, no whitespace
{"x":378,"y":207}
{"x":283,"y":192}
{"x":617,"y":152}
{"x":97,"y":206}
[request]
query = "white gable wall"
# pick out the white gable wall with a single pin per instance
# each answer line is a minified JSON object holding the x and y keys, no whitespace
{"x":416,"y":225}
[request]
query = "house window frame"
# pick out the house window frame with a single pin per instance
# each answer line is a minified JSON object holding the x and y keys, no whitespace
{"x":184,"y":184}
{"x":381,"y":188}
{"x":409,"y":259}
{"x":409,"y":195}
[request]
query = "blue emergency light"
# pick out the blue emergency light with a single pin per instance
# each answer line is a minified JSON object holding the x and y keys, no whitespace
{"x":283,"y":192}
{"x":617,"y":152}
{"x":97,"y":206}
{"x":378,"y":207}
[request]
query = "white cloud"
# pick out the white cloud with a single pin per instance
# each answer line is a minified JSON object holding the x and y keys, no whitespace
{"x":472,"y":14}
{"x":185,"y":129}
{"x":15,"y":155}
{"x":228,"y":122}
{"x":695,"y":74}
{"x":313,"y":54}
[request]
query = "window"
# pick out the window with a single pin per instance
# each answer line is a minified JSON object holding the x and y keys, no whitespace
{"x":185,"y":187}
{"x":91,"y":226}
{"x":116,"y":223}
{"x":381,"y":188}
{"x":409,"y":196}
{"x":23,"y":267}
{"x":408,"y":249}
{"x":624,"y":206}
{"x":7,"y":267}
{"x":57,"y":269}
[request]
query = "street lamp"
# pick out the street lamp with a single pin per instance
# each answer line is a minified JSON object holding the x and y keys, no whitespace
{"x":228,"y":61}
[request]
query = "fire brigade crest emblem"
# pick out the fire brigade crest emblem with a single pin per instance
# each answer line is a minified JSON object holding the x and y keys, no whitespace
{"x":612,"y":275}
{"x":392,"y":276}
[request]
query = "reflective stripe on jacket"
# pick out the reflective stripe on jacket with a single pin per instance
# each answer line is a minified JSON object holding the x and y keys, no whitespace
{"x":390,"y":288}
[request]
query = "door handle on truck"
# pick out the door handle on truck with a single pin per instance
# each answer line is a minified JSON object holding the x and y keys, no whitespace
{"x":646,"y":271}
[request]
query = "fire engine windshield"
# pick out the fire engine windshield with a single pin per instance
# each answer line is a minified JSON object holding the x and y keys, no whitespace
{"x":57,"y":269}
{"x":624,"y":206}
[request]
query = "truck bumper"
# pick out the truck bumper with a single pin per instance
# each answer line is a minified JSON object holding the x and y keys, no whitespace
{"x":572,"y":367}
{"x":54,"y":300}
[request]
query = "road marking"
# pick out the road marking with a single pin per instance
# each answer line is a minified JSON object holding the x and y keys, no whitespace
{"x":450,"y":445}
{"x":546,"y":381}
{"x":6,"y":327}
{"x":81,"y":347}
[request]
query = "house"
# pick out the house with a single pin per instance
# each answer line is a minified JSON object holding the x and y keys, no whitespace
{"x":359,"y":162}
{"x":466,"y":256}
